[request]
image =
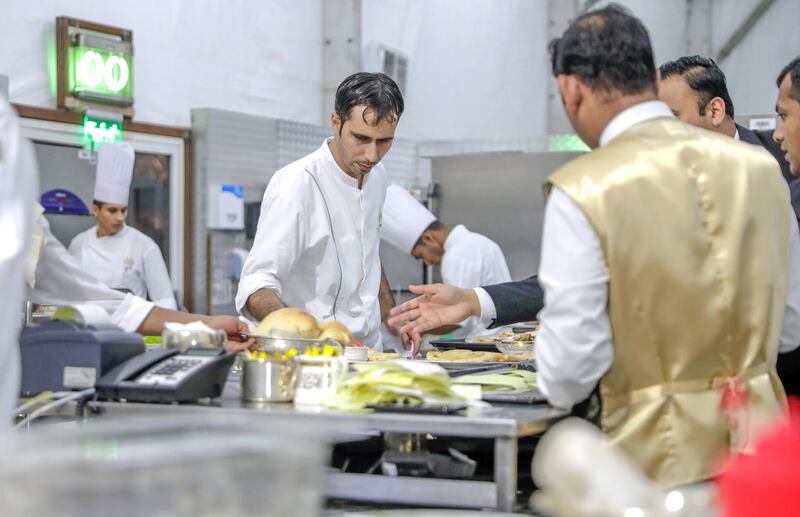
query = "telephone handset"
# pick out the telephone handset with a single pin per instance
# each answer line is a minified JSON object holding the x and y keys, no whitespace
{"x":163,"y":375}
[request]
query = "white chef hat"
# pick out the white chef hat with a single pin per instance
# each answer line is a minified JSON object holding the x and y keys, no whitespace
{"x":114,"y":173}
{"x":404,"y":219}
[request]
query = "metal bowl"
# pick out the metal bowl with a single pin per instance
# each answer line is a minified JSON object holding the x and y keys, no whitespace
{"x":515,"y":347}
{"x":282,"y":344}
{"x":184,"y":339}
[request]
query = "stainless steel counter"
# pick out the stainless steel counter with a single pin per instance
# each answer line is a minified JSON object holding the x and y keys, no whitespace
{"x":504,"y":424}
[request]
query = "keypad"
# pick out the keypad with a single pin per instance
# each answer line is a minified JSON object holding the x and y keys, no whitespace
{"x":173,"y":371}
{"x":176,"y":366}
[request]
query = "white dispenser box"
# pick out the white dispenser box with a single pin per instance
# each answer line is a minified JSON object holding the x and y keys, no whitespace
{"x":225,"y":207}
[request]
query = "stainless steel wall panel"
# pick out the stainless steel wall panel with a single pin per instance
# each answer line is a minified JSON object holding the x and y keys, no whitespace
{"x":499,"y":195}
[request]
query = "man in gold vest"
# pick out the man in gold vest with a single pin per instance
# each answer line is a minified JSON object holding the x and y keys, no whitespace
{"x":667,"y":254}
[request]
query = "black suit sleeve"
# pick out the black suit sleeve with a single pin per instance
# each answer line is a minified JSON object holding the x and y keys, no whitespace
{"x":794,"y":190}
{"x":516,"y":301}
{"x":789,"y":363}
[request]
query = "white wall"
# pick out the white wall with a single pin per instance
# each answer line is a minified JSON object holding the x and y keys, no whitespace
{"x":754,"y":64}
{"x":262,"y":58}
{"x":666,"y":23}
{"x":476,"y":67}
{"x":752,"y":67}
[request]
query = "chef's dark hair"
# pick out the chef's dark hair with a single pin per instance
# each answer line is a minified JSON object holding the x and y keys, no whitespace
{"x":703,"y":76}
{"x":607,"y":49}
{"x":433,"y":227}
{"x":378,"y":92}
{"x":793,"y":69}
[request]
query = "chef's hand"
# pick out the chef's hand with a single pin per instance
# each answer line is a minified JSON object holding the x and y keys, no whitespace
{"x":409,"y":344}
{"x":235,"y":329}
{"x":438,"y":305}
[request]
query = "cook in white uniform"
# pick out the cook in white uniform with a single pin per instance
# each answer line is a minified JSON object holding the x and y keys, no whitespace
{"x":316,"y":246}
{"x":467,"y":259}
{"x":122,"y":257}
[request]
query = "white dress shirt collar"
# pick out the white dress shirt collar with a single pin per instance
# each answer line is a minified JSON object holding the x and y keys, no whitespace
{"x":631,"y":116}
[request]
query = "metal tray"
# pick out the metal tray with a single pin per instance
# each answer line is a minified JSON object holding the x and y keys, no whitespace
{"x":533,"y":396}
{"x":450,"y":344}
{"x":453,"y":365}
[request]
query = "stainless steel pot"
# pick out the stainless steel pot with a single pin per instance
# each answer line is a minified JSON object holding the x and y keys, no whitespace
{"x":269,"y":380}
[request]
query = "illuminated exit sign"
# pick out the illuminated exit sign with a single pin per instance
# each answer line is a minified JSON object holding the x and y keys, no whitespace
{"x":100,"y":69}
{"x":98,"y":131}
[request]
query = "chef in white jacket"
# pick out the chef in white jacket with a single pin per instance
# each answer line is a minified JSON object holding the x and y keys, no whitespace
{"x":122,"y":257}
{"x":467,"y":259}
{"x":316,"y":246}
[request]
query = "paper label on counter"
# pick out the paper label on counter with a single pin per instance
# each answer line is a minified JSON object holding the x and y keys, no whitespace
{"x":79,"y":377}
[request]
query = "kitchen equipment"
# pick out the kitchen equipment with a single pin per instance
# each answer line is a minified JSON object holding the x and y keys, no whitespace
{"x":269,"y":380}
{"x":525,"y":326}
{"x":177,"y":465}
{"x":515,"y":347}
{"x":61,"y":355}
{"x":161,"y":375}
{"x":184,"y":337}
{"x":280,"y":344}
{"x":450,"y":344}
{"x":356,"y":353}
{"x":533,"y":396}
{"x":318,"y":378}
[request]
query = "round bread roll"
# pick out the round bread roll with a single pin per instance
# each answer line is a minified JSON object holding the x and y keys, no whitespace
{"x":289,"y":319}
{"x":336,"y":331}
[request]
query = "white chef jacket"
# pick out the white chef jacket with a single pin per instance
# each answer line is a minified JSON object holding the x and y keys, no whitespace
{"x":470,"y":260}
{"x":18,"y":184}
{"x":573,"y":347}
{"x":60,"y":280}
{"x":317,"y":241}
{"x":128,"y":260}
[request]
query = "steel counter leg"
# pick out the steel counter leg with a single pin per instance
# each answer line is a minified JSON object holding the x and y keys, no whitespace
{"x":505,"y":473}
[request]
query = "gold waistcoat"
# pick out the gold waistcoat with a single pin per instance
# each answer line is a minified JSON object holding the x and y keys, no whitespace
{"x":694,"y":231}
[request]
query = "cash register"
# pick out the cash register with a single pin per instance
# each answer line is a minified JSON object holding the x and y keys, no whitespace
{"x":62,"y":355}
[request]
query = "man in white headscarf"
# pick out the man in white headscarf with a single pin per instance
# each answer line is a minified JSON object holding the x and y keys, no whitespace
{"x":467,"y":259}
{"x":119,"y":255}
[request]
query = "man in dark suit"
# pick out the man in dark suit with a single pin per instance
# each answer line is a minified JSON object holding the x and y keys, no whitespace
{"x":516,"y":301}
{"x":694,"y":88}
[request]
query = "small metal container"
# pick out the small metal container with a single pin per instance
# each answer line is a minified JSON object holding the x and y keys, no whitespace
{"x":269,"y":380}
{"x":184,"y":339}
{"x":319,"y":378}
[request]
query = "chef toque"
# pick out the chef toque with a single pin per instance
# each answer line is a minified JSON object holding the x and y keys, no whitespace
{"x":404,"y":219}
{"x":114,"y":173}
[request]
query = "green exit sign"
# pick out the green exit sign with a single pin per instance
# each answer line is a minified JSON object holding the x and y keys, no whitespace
{"x":98,"y":131}
{"x":100,"y":70}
